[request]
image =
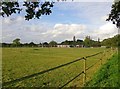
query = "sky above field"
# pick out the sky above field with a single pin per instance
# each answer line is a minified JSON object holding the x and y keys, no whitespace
{"x":68,"y":19}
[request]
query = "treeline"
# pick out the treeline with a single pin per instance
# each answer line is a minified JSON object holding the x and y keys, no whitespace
{"x":112,"y":42}
{"x":17,"y":43}
{"x":87,"y":42}
{"x":81,"y":43}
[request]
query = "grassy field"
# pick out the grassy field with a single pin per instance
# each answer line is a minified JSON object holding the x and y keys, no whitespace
{"x":20,"y":62}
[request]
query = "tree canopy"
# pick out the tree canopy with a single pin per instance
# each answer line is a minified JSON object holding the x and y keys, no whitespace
{"x":33,"y":9}
{"x":16,"y":42}
{"x":112,"y":42}
{"x":114,"y":15}
{"x":87,"y":41}
{"x":53,"y":43}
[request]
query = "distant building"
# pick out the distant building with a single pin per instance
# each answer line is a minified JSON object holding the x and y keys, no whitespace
{"x":69,"y":46}
{"x":103,"y":46}
{"x":63,"y":46}
{"x":79,"y":46}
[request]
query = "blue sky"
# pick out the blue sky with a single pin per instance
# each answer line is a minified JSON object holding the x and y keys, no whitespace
{"x":68,"y":19}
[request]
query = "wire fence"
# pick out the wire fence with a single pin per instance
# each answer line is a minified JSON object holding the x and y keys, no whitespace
{"x":63,"y":65}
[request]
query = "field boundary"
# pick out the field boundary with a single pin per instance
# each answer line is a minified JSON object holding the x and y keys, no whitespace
{"x":63,"y":65}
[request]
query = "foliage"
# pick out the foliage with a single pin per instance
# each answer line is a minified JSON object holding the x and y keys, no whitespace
{"x":16,"y":42}
{"x":114,"y":16}
{"x":95,"y":43}
{"x":79,"y":41}
{"x":6,"y":44}
{"x":32,"y":44}
{"x":33,"y":9}
{"x":112,"y":42}
{"x":53,"y":44}
{"x":66,"y":42}
{"x":87,"y":41}
{"x":45,"y":44}
{"x":108,"y":74}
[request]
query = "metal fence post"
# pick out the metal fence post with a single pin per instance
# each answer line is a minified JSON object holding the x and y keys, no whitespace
{"x":84,"y":74}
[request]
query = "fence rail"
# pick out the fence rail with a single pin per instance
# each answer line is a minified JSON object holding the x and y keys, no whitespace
{"x":62,"y":65}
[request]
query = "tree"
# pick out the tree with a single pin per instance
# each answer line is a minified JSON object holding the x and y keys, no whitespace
{"x":53,"y":44}
{"x":26,"y":45}
{"x":112,"y":42}
{"x":16,"y":42}
{"x":87,"y":41}
{"x":0,"y":44}
{"x":6,"y":45}
{"x":114,"y":16}
{"x":79,"y":42}
{"x":95,"y":43}
{"x":45,"y":44}
{"x":33,"y":8}
{"x":40,"y":45}
{"x":66,"y":42}
{"x":32,"y":44}
{"x":74,"y":41}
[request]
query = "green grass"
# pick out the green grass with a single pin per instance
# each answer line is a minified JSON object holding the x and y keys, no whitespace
{"x":20,"y":62}
{"x":107,"y":75}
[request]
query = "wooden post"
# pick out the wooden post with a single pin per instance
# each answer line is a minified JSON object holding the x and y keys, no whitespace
{"x":84,"y":74}
{"x":116,"y":50}
{"x":112,"y":51}
{"x":101,"y":61}
{"x":104,"y":54}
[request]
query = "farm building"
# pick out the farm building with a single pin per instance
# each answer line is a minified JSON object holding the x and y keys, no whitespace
{"x":68,"y":46}
{"x":79,"y":46}
{"x":103,"y":46}
{"x":63,"y":46}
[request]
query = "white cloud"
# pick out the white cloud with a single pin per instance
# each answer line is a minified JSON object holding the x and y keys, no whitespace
{"x":9,"y":21}
{"x":105,"y":31}
{"x":108,"y":28}
{"x":86,"y":1}
{"x":6,"y":20}
{"x":20,"y":19}
{"x":12,"y":27}
{"x":86,"y":11}
{"x":0,"y":31}
{"x":91,"y":15}
{"x":103,"y":18}
{"x":62,"y":32}
{"x":26,"y":31}
{"x":59,"y":32}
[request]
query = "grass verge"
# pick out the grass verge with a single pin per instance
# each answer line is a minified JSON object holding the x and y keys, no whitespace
{"x":107,"y":75}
